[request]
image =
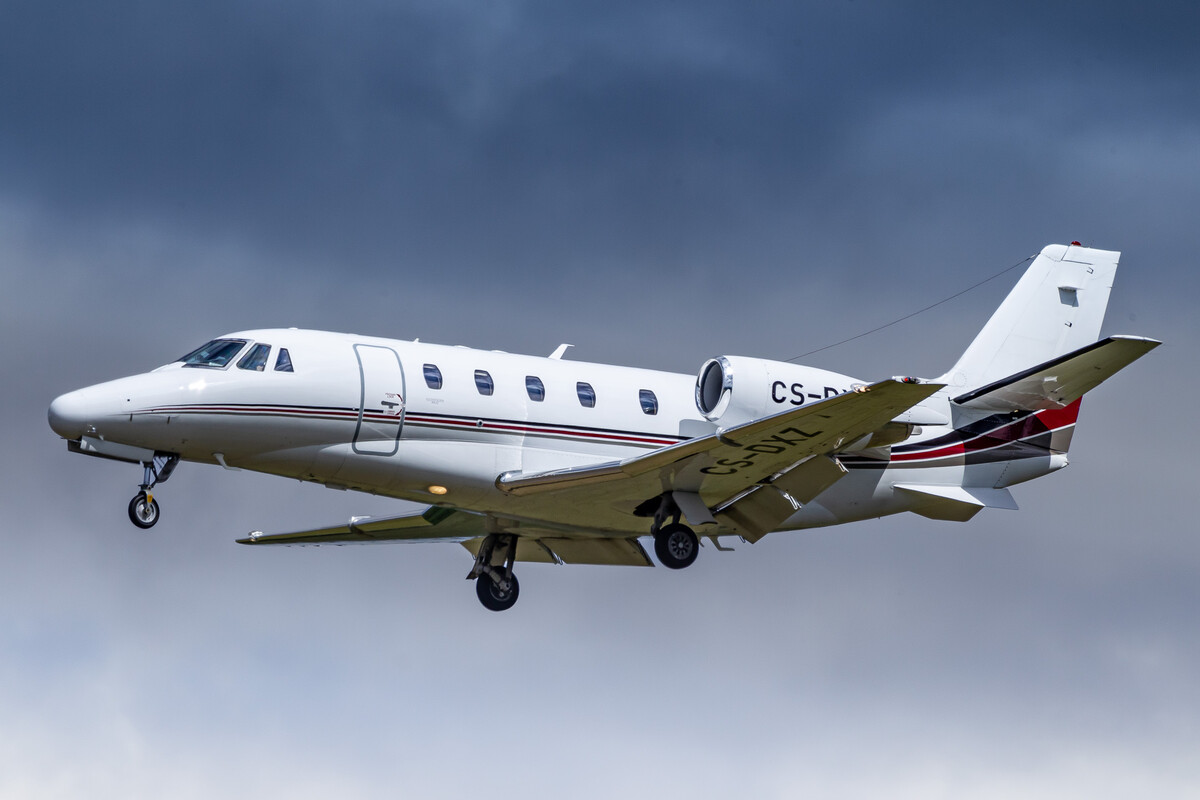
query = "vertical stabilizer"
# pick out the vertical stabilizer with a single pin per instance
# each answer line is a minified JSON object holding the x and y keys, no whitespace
{"x":1057,"y":307}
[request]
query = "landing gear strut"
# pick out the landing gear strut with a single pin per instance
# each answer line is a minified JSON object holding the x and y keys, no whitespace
{"x":675,"y":544}
{"x":495,"y":585}
{"x":143,"y":508}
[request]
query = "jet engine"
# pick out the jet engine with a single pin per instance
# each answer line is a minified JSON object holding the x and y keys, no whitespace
{"x":731,"y":390}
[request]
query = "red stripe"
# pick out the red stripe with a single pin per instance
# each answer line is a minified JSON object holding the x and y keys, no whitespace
{"x":1041,"y":422}
{"x":414,"y":418}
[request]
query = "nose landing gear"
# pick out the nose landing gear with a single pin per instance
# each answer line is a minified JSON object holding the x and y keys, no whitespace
{"x":143,"y":508}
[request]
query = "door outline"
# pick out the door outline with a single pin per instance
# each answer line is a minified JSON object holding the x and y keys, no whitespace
{"x":379,"y":395}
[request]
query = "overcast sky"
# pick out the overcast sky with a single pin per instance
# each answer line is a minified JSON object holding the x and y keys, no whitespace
{"x":657,"y":183}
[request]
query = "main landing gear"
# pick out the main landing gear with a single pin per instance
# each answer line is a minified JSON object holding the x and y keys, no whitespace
{"x":143,"y":508}
{"x":495,"y":585}
{"x":675,"y":544}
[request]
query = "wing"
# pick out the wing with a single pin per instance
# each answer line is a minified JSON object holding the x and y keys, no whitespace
{"x":1061,"y":381}
{"x":748,"y":477}
{"x":430,"y":524}
{"x":536,"y":541}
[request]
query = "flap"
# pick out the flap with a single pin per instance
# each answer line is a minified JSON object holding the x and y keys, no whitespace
{"x":617,"y":552}
{"x":765,"y":507}
{"x":622,"y":552}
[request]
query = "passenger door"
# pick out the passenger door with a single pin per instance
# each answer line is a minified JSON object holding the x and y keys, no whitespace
{"x":381,"y":404}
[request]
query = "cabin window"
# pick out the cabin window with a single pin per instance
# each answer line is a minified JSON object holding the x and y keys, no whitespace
{"x":535,"y":388}
{"x":649,"y":401}
{"x":216,"y":354}
{"x":284,"y":362}
{"x":483,"y":382}
{"x":587,"y":395}
{"x":433,"y":376}
{"x":256,"y":359}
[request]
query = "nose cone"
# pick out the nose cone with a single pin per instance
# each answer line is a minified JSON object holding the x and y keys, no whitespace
{"x":68,"y":415}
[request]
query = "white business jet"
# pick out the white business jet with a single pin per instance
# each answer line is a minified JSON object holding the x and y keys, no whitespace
{"x":521,"y":458}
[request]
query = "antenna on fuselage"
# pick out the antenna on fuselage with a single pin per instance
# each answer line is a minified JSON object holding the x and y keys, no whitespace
{"x":558,"y":353}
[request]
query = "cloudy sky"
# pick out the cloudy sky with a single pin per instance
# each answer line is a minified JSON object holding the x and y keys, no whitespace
{"x":657,"y":183}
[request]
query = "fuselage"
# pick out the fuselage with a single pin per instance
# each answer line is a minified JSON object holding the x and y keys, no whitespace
{"x":437,"y":424}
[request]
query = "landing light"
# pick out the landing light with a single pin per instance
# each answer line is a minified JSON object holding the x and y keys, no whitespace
{"x":435,"y":489}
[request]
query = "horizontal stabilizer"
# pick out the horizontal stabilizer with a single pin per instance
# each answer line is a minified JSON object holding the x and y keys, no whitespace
{"x":955,"y":503}
{"x":1060,"y":381}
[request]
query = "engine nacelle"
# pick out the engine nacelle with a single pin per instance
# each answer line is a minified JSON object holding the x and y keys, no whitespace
{"x":731,"y":390}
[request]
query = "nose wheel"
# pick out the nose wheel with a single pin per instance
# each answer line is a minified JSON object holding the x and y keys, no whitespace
{"x":143,"y":508}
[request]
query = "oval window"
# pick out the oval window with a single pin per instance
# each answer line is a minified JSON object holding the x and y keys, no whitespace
{"x":535,"y":388}
{"x":649,"y":401}
{"x":483,"y":382}
{"x":587,"y":395}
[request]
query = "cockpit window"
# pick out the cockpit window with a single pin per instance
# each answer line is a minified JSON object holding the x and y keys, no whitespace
{"x":284,"y":362}
{"x":256,"y":359}
{"x":217,"y":353}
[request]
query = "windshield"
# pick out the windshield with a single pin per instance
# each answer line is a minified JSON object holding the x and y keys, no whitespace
{"x":217,"y":353}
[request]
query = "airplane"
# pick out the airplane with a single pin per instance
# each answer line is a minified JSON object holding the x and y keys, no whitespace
{"x":542,"y":459}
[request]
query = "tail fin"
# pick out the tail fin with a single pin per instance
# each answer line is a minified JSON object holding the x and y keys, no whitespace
{"x":1056,"y":308}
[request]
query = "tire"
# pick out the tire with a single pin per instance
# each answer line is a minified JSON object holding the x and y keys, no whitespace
{"x":676,"y":546}
{"x":495,"y":598}
{"x":143,"y":511}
